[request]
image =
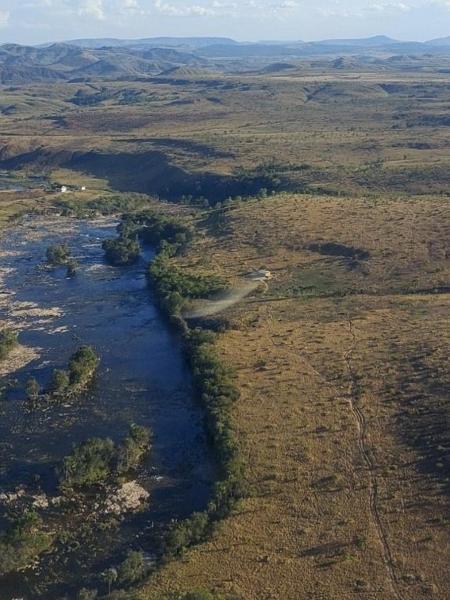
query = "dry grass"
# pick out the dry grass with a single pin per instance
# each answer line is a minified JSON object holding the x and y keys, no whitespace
{"x":341,"y":507}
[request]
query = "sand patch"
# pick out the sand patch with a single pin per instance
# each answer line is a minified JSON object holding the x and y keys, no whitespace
{"x":18,"y":358}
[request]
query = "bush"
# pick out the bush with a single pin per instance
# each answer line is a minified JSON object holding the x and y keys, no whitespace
{"x":90,"y":463}
{"x":154,"y":228}
{"x":121,"y":251}
{"x":133,"y":568}
{"x":132,"y":450}
{"x":58,"y":254}
{"x":98,"y":460}
{"x":175,"y":286}
{"x":85,"y":594}
{"x":71,"y":268}
{"x":32,"y":388}
{"x":59,"y":382}
{"x":23,"y":543}
{"x":8,"y":341}
{"x":82,"y":366}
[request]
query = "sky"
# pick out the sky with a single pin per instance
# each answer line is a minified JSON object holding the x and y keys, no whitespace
{"x":37,"y":21}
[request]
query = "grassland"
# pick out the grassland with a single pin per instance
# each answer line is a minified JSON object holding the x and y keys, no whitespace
{"x":342,"y":360}
{"x":343,"y":403}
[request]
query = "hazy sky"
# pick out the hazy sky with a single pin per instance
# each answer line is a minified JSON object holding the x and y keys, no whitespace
{"x":32,"y":21}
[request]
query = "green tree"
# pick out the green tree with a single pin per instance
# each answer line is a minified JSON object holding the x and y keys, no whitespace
{"x":110,"y":576}
{"x":85,"y":594}
{"x":133,"y":568}
{"x":57,"y":254}
{"x":59,"y":382}
{"x":71,"y":268}
{"x":8,"y":340}
{"x":23,"y":543}
{"x":82,"y":365}
{"x":91,"y":462}
{"x":135,"y":445}
{"x":121,"y":251}
{"x":32,"y":388}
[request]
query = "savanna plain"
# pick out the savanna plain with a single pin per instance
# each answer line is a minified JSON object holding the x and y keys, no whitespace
{"x":307,"y":206}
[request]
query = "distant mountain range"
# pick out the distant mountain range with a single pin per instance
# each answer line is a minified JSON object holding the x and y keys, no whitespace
{"x":124,"y":59}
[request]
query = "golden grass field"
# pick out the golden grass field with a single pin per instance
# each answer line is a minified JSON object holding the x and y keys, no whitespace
{"x":343,"y":416}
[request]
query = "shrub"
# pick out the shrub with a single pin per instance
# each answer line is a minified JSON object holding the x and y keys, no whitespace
{"x":133,"y":568}
{"x":59,"y":382}
{"x":121,"y":251}
{"x":86,"y":594}
{"x":98,"y":460}
{"x":23,"y":543}
{"x":32,"y":388}
{"x":8,"y":341}
{"x":71,"y":268}
{"x":58,"y":254}
{"x":90,"y":463}
{"x":132,"y":450}
{"x":82,"y":366}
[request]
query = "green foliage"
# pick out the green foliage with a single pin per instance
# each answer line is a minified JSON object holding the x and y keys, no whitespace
{"x":134,"y":447}
{"x":105,"y":205}
{"x":32,"y":388}
{"x":22,"y":543}
{"x":175,"y":286}
{"x":154,"y":228}
{"x":186,"y":533}
{"x":71,"y":268}
{"x":132,"y":569}
{"x":90,"y":463}
{"x":58,"y":254}
{"x":86,"y":594}
{"x":59,"y":382}
{"x":121,"y":251}
{"x":8,"y":341}
{"x":98,"y":460}
{"x":82,"y":366}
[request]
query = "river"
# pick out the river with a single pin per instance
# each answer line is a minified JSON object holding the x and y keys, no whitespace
{"x":142,"y":379}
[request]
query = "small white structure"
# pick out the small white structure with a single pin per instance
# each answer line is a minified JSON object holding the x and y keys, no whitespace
{"x":83,"y":188}
{"x":63,"y":189}
{"x":260,"y":275}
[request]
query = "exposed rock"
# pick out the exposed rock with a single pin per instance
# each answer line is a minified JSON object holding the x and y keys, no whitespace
{"x":127,"y":498}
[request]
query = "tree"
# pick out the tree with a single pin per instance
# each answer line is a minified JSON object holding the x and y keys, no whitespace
{"x":134,"y":447}
{"x":133,"y":568}
{"x":59,"y":382}
{"x":85,"y":594}
{"x":71,"y":268}
{"x":121,"y":251}
{"x":58,"y":254}
{"x":110,"y":576}
{"x":91,"y":462}
{"x":8,"y":340}
{"x":32,"y":388}
{"x":82,"y":365}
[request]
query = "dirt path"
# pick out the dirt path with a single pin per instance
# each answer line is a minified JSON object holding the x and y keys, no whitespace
{"x":366,"y":454}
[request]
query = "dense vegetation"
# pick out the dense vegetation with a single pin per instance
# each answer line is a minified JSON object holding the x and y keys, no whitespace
{"x":121,"y":251}
{"x":214,"y":384}
{"x":67,"y":382}
{"x":155,"y":228}
{"x":58,"y":254}
{"x":97,"y":460}
{"x":24,"y":541}
{"x":8,"y":341}
{"x":175,"y":286}
{"x":82,"y":366}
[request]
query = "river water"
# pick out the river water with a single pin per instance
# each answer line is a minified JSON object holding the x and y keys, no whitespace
{"x":142,"y":379}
